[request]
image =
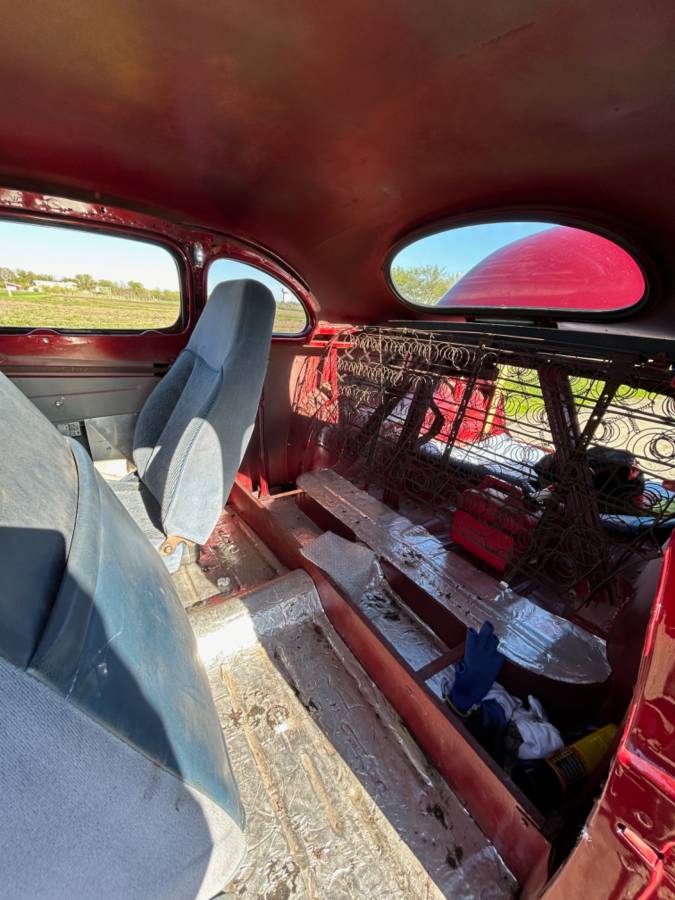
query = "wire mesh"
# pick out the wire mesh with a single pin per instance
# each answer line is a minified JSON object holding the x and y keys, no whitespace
{"x":556,"y":467}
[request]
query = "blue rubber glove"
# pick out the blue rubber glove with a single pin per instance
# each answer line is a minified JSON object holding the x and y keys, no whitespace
{"x":477,"y":672}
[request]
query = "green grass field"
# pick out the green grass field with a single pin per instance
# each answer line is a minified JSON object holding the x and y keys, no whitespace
{"x":77,"y":310}
{"x":290,"y":318}
{"x":73,"y":310}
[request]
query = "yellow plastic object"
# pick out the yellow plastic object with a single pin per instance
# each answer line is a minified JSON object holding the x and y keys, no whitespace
{"x":573,"y":763}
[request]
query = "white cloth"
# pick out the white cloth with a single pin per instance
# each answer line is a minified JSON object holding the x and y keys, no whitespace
{"x":540,"y":738}
{"x":508,"y":703}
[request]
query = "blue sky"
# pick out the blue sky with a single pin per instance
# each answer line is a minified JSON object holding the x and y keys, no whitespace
{"x":64,"y":252}
{"x":225,"y":269}
{"x":459,"y":249}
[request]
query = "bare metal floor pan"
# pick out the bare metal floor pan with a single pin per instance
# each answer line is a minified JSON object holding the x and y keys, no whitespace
{"x":232,"y":561}
{"x":341,"y":803}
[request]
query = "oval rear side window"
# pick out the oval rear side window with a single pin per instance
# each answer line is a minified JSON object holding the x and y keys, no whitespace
{"x":518,"y":266}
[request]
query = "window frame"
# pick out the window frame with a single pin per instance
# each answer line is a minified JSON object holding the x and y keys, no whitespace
{"x":546,"y":215}
{"x":103,"y":228}
{"x":243,"y":259}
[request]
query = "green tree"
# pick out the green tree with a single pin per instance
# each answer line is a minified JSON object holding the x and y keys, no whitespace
{"x":422,"y":284}
{"x":25,"y":277}
{"x":85,"y":282}
{"x":136,"y":288}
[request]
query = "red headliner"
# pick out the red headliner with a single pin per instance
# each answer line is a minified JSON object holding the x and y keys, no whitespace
{"x":326,"y":131}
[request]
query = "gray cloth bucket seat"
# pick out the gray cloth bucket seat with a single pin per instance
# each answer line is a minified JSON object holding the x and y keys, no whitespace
{"x":114,"y":776}
{"x":194,"y":428}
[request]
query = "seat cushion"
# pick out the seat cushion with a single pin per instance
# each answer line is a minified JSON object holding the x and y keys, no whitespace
{"x":114,"y":773}
{"x":144,"y":510}
{"x":85,"y":815}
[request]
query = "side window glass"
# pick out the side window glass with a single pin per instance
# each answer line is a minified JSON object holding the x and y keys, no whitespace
{"x":291,"y":316}
{"x":69,"y":279}
{"x":518,"y":265}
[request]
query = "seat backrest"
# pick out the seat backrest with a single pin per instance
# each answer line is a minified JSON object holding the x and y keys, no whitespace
{"x":194,"y":428}
{"x":114,"y":774}
{"x":38,"y":508}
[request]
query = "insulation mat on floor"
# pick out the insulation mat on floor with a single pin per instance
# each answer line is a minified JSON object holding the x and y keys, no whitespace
{"x":340,"y":801}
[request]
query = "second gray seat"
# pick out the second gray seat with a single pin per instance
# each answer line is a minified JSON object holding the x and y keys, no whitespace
{"x":194,"y":428}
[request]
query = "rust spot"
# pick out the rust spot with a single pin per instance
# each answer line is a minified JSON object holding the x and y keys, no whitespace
{"x":255,"y":713}
{"x":451,"y":859}
{"x":437,"y":812}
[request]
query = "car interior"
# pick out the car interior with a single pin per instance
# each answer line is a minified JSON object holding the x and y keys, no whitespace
{"x":338,"y":486}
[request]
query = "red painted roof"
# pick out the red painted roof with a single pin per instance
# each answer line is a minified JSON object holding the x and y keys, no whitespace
{"x":327,"y":131}
{"x":561,"y":268}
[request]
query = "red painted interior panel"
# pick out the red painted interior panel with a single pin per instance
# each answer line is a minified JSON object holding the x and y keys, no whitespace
{"x":327,"y":131}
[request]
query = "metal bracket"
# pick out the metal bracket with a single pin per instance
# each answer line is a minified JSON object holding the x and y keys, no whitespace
{"x":167,"y":547}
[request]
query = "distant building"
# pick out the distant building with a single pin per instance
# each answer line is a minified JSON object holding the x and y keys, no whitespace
{"x":11,"y":286}
{"x":43,"y":285}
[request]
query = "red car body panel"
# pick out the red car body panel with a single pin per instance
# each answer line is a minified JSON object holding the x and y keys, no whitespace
{"x":627,"y":848}
{"x":561,"y":268}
